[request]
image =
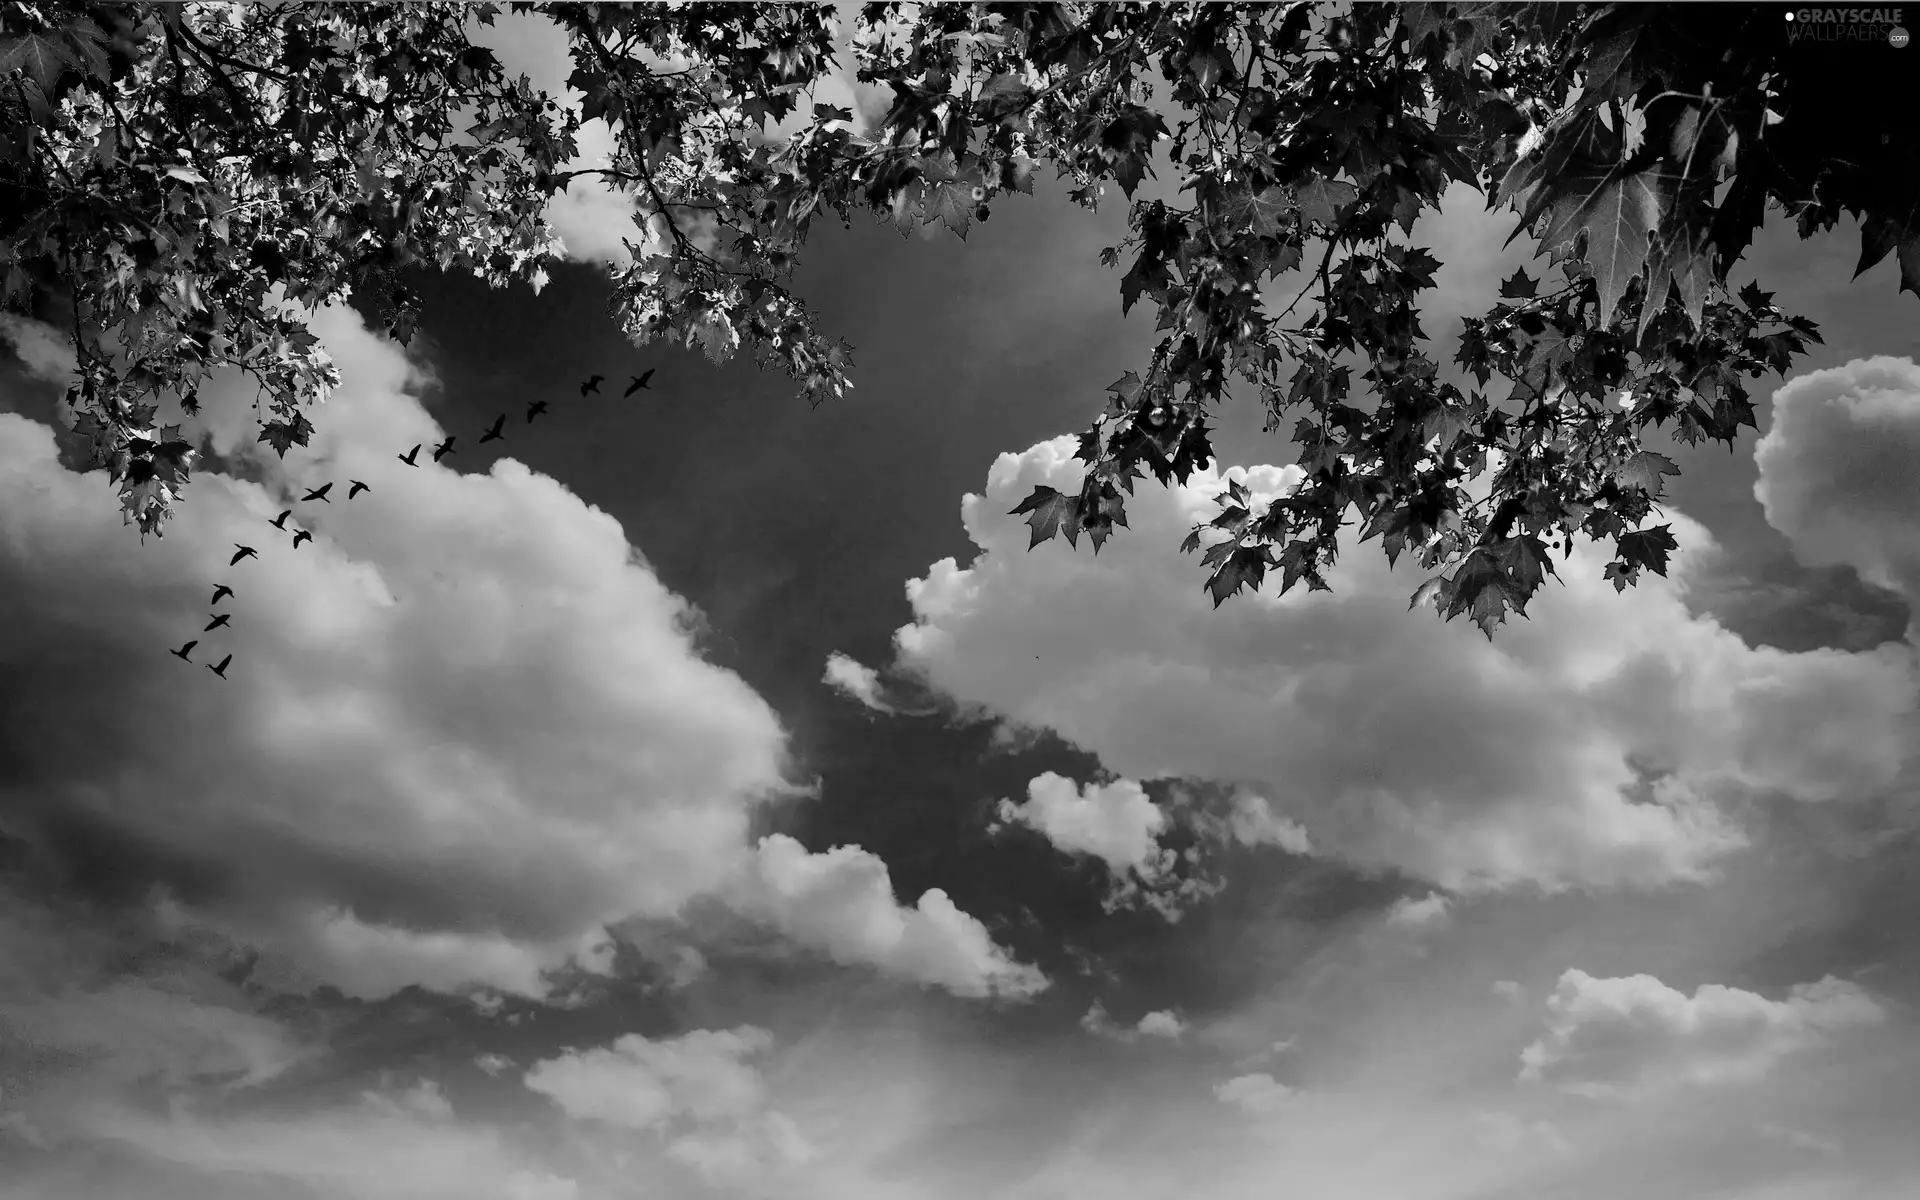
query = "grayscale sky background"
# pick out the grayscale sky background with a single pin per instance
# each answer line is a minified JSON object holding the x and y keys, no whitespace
{"x":808,"y":837}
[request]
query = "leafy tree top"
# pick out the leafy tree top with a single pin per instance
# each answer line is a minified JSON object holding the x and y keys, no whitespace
{"x":181,"y":181}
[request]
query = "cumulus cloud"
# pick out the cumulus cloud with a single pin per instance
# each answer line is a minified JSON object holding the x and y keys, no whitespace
{"x":1251,"y":821}
{"x":1633,"y":1035}
{"x":1116,"y":822}
{"x":1836,"y":471}
{"x":1430,"y":909}
{"x":1258,"y":1094}
{"x":853,"y":679}
{"x":698,"y":1090}
{"x":1507,"y":989}
{"x":1588,"y":746}
{"x":1164,"y":1023}
{"x":464,"y":730}
{"x":841,"y":903}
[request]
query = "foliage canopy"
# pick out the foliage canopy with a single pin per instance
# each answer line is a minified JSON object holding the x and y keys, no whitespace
{"x":180,"y":179}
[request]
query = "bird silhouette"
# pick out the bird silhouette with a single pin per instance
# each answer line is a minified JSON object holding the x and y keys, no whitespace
{"x":493,"y":433}
{"x":184,"y":651}
{"x":535,"y":409}
{"x":302,"y":536}
{"x":280,"y":522}
{"x":442,"y":450}
{"x":242,"y":552}
{"x":217,"y":622}
{"x":320,"y":493}
{"x":639,"y":381}
{"x":591,"y":385}
{"x":221,"y":670}
{"x":410,"y":455}
{"x":357,"y":488}
{"x":219,"y":591}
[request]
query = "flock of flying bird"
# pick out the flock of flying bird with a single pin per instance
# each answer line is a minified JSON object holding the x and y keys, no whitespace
{"x":493,"y":433}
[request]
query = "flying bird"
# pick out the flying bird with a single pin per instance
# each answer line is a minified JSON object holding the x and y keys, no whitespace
{"x":410,"y":455}
{"x":280,"y":522}
{"x":357,"y":488}
{"x":242,"y":552}
{"x":535,"y":409}
{"x":639,"y":381}
{"x":493,"y":433}
{"x":302,"y":536}
{"x":320,"y":493}
{"x":221,"y":590}
{"x":442,"y":450}
{"x":185,"y":650}
{"x":217,"y":622}
{"x":591,"y":385}
{"x":221,"y":670}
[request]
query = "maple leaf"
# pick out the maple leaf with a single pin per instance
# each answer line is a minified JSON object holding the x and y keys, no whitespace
{"x":282,"y":435}
{"x":42,"y":58}
{"x":1647,"y":548}
{"x":1520,"y":286}
{"x":1644,"y":470}
{"x":1480,"y":589}
{"x":1049,"y":512}
{"x":1321,"y":199}
{"x":1619,"y":211}
{"x":1244,"y":567}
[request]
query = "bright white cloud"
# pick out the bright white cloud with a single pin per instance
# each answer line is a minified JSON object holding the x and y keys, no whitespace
{"x":1397,"y":742}
{"x":841,"y":903}
{"x":638,"y":1083}
{"x":1252,"y":822}
{"x":1163,"y":1023}
{"x":1632,"y":1035}
{"x":463,"y":730}
{"x":1430,"y":909}
{"x":1116,"y":822}
{"x":698,"y":1090}
{"x":1836,"y":471}
{"x":854,"y":679}
{"x":1258,"y":1093}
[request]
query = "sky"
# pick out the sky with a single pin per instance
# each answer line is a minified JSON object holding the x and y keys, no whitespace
{"x":701,"y":795}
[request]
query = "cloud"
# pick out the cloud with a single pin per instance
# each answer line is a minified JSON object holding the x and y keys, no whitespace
{"x":493,"y":1064}
{"x":1163,"y":1023}
{"x":464,"y":730}
{"x":1251,"y":822}
{"x":1430,"y":909}
{"x":1116,"y":822}
{"x":1801,"y":1139}
{"x":1258,"y":1094}
{"x":1836,"y":471}
{"x":39,"y":347}
{"x":1507,"y":989}
{"x":860,"y":682}
{"x":1591,"y":745}
{"x":1509,"y":1134}
{"x":99,"y":1011}
{"x":696,"y":1089}
{"x":1633,"y":1035}
{"x":841,"y":903}
{"x":386,"y":1146}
